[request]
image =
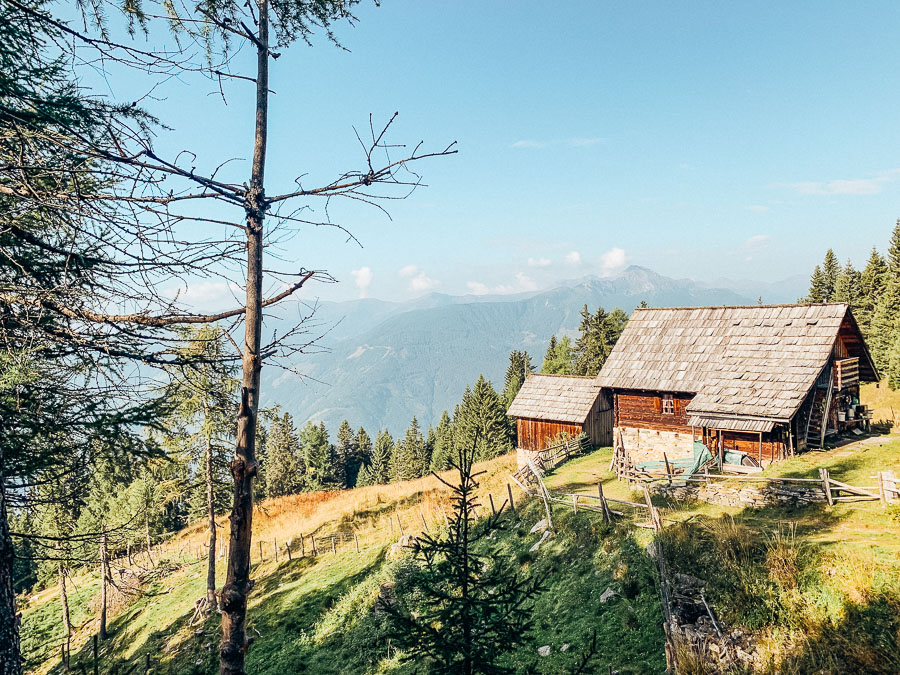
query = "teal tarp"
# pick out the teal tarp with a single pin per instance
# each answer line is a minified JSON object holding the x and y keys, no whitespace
{"x":691,"y":466}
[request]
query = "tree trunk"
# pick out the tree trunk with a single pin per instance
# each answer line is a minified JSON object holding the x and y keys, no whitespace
{"x":243,"y":468}
{"x":211,"y":566}
{"x":147,"y":534}
{"x":64,"y":600}
{"x":10,"y":658}
{"x":104,"y":579}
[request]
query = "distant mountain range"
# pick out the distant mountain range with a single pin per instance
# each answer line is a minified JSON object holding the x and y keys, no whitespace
{"x":387,"y":361}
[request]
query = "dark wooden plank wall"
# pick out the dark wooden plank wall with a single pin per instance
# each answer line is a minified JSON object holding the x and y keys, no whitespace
{"x":538,"y":434}
{"x":643,"y":410}
{"x":748,"y":442}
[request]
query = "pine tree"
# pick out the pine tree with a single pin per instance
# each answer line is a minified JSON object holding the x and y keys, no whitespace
{"x":379,"y":469}
{"x":345,"y":465}
{"x":316,"y":453}
{"x":893,"y":363}
{"x":847,"y":288}
{"x":482,"y":416}
{"x":364,"y":457}
{"x":442,"y":455}
{"x":599,"y":334}
{"x":284,"y":462}
{"x":893,"y":257}
{"x":885,"y":325}
{"x":467,"y":606}
{"x":559,"y":359}
{"x":831,"y":270}
{"x":872,"y":283}
{"x":428,"y":451}
{"x":518,"y":369}
{"x":817,"y":287}
{"x":407,"y":460}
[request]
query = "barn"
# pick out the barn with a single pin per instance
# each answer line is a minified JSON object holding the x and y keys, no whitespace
{"x":758,"y":381}
{"x":548,"y":405}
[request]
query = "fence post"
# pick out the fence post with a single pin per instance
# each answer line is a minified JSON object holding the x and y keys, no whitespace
{"x":512,"y":504}
{"x":607,"y":516}
{"x":96,"y":658}
{"x":146,"y":663}
{"x":356,"y":541}
{"x":493,"y":509}
{"x":424,"y":524}
{"x":668,"y":468}
{"x":302,"y":547}
{"x":260,"y":551}
{"x":315,"y":547}
{"x":400,"y":524}
{"x":826,"y":486}
{"x":391,"y":524}
{"x":574,"y":503}
{"x":275,"y":548}
{"x":333,"y":546}
{"x":881,"y":496}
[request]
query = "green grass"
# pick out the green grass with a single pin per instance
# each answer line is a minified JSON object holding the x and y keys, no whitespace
{"x":317,"y":615}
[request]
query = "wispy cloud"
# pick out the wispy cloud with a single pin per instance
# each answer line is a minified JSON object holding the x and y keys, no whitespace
{"x":539,"y":262}
{"x":758,"y":208}
{"x":525,"y":143}
{"x":584,"y":142}
{"x":614,"y":260}
{"x":418,"y":280}
{"x":478,"y":288}
{"x":757,"y":240}
{"x":845,"y":186}
{"x":522,"y":284}
{"x":363,"y":279}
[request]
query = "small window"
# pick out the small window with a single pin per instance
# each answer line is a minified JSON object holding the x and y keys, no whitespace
{"x":668,"y":405}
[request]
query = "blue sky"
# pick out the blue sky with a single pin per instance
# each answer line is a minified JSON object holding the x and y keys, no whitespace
{"x":702,"y":140}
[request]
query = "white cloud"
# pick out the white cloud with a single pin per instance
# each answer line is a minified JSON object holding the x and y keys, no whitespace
{"x":614,"y":260}
{"x":206,"y":295}
{"x":539,"y":262}
{"x":526,"y":143}
{"x":573,"y":258}
{"x":478,"y":288}
{"x":846,"y":186}
{"x":757,"y":240}
{"x":758,"y":208}
{"x":523,"y":284}
{"x":363,"y":279}
{"x":418,"y":280}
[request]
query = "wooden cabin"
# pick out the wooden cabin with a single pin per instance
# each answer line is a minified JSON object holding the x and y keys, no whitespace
{"x":548,"y":405}
{"x":765,"y":381}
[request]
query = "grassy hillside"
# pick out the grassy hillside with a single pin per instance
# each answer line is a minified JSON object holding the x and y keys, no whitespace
{"x":316,"y":615}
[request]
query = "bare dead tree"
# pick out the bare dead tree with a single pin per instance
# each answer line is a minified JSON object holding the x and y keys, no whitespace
{"x":133,"y":214}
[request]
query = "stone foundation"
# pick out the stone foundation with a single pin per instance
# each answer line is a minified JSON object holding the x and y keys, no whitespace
{"x":646,"y":445}
{"x":743,"y":494}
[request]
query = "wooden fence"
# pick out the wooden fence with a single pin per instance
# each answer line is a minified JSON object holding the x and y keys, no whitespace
{"x":886,"y":491}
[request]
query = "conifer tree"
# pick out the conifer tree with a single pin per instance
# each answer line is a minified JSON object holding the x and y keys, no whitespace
{"x":831,"y":270}
{"x":442,"y":456}
{"x":466,"y":607}
{"x":518,"y":369}
{"x":408,"y":454}
{"x":885,"y":325}
{"x":316,"y":453}
{"x":872,"y":282}
{"x":363,"y":457}
{"x":847,"y":287}
{"x":379,"y":469}
{"x":482,"y":416}
{"x":599,"y":334}
{"x":817,"y":287}
{"x":559,"y":359}
{"x":284,"y":461}
{"x":893,"y":363}
{"x":428,"y":451}
{"x":345,"y":465}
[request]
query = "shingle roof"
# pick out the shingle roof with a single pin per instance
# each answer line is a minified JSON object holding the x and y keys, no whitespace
{"x":557,"y":398}
{"x":759,"y":360}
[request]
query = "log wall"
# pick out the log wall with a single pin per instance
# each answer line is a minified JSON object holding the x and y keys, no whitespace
{"x":643,"y":410}
{"x":537,"y":434}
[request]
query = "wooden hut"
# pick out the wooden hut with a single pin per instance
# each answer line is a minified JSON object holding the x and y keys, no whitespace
{"x":765,"y":381}
{"x":548,"y":405}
